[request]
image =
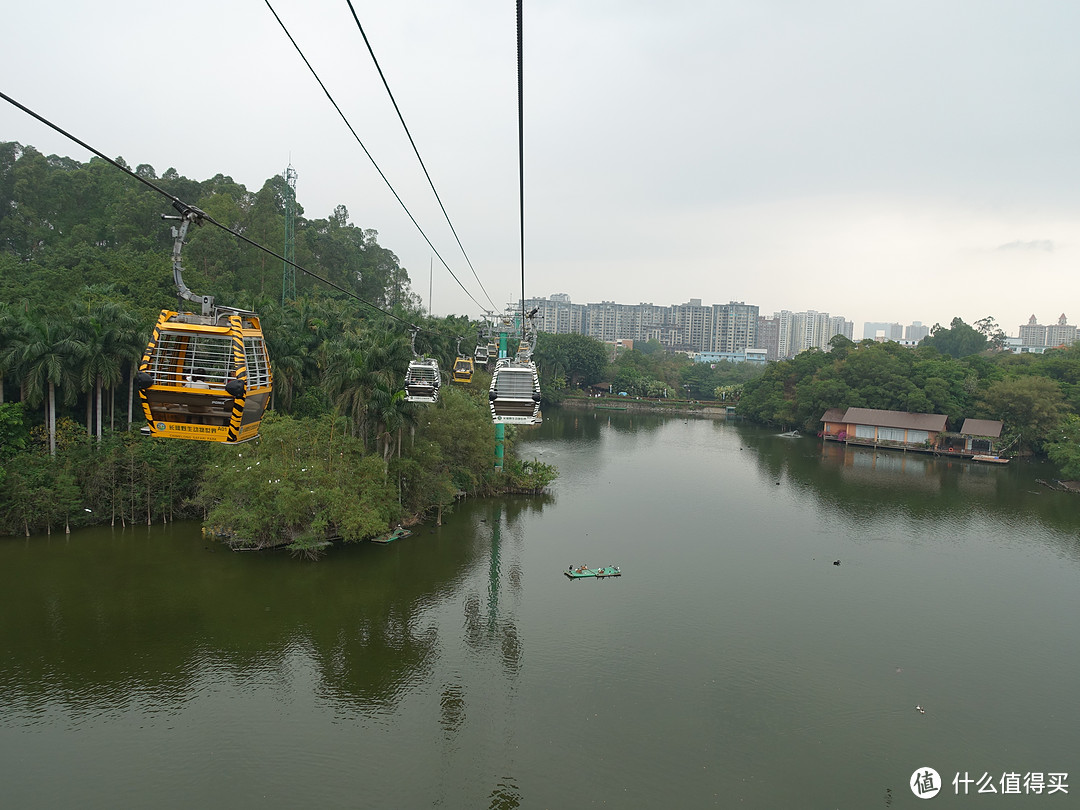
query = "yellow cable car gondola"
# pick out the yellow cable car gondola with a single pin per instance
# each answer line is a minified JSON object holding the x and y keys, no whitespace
{"x":463,"y":370}
{"x":203,"y":376}
{"x":463,"y":367}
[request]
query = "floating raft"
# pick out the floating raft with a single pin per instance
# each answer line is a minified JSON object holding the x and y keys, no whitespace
{"x":397,"y":534}
{"x":582,"y":572}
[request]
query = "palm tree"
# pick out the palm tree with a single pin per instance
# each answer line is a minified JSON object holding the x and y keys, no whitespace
{"x":387,"y":357}
{"x":347,"y":381}
{"x":389,"y":407}
{"x":8,"y":324}
{"x":295,"y":335}
{"x":44,"y":351}
{"x":103,"y":340}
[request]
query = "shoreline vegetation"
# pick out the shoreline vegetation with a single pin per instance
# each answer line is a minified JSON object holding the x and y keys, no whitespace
{"x":306,"y":482}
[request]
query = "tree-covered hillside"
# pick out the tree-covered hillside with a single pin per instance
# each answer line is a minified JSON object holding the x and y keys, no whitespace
{"x":66,"y":225}
{"x":85,"y":267}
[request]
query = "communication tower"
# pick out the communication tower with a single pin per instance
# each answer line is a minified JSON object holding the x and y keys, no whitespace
{"x":288,"y":275}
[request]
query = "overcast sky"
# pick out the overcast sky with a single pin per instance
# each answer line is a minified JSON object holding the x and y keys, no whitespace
{"x":883,"y":161}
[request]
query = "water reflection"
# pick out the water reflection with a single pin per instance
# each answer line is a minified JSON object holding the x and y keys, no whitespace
{"x":867,"y":483}
{"x":461,"y":669}
{"x":587,"y":425}
{"x":108,"y":618}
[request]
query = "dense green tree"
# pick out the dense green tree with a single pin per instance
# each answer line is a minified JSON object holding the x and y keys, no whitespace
{"x":959,"y":340}
{"x":1030,"y":407}
{"x":1064,"y":446}
{"x":988,"y":328}
{"x":317,"y":477}
{"x":1063,"y":366}
{"x":869,"y":375}
{"x":579,"y":359}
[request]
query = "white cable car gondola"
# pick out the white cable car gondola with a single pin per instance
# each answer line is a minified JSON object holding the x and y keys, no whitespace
{"x":480,"y":355}
{"x":514,"y":395}
{"x":203,"y":376}
{"x":422,"y":378}
{"x":422,"y":381}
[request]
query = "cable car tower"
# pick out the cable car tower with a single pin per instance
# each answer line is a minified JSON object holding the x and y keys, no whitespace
{"x":288,"y":273}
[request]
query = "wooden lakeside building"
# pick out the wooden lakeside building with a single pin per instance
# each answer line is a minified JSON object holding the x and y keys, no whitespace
{"x":912,"y":432}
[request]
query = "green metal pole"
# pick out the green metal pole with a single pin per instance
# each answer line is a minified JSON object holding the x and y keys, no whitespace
{"x":500,"y":429}
{"x":500,"y":437}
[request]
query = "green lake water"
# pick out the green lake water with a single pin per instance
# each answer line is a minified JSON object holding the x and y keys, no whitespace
{"x":732,"y":665}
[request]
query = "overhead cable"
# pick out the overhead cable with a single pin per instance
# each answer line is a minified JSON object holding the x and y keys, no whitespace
{"x":521,"y":156}
{"x":404,"y":207}
{"x":431,"y":183}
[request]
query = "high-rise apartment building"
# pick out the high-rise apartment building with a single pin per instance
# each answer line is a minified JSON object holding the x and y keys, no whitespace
{"x":798,"y":331}
{"x":916,"y":331}
{"x":692,"y":327}
{"x":1034,"y":334}
{"x":768,"y":336}
{"x":1061,"y":333}
{"x":734,"y":327}
{"x":882,"y":331}
{"x":559,"y":317}
{"x":838,"y":325}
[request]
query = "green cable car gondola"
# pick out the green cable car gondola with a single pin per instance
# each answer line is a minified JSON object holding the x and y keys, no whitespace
{"x":203,"y":376}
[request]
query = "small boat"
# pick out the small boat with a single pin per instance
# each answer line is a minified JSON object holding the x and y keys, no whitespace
{"x":584,"y":572}
{"x":396,"y":534}
{"x":990,"y":459}
{"x":791,"y":434}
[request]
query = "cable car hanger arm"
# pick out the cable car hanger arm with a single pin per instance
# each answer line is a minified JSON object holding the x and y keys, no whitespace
{"x":188,"y":214}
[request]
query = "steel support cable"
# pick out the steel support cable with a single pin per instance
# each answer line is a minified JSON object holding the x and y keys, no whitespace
{"x":404,"y":207}
{"x":416,"y":150}
{"x":183,"y":208}
{"x":521,"y":158}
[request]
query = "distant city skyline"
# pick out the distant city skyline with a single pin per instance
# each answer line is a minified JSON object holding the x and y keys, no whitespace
{"x":914,"y":330}
{"x":694,"y":326}
{"x":888,"y":161}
